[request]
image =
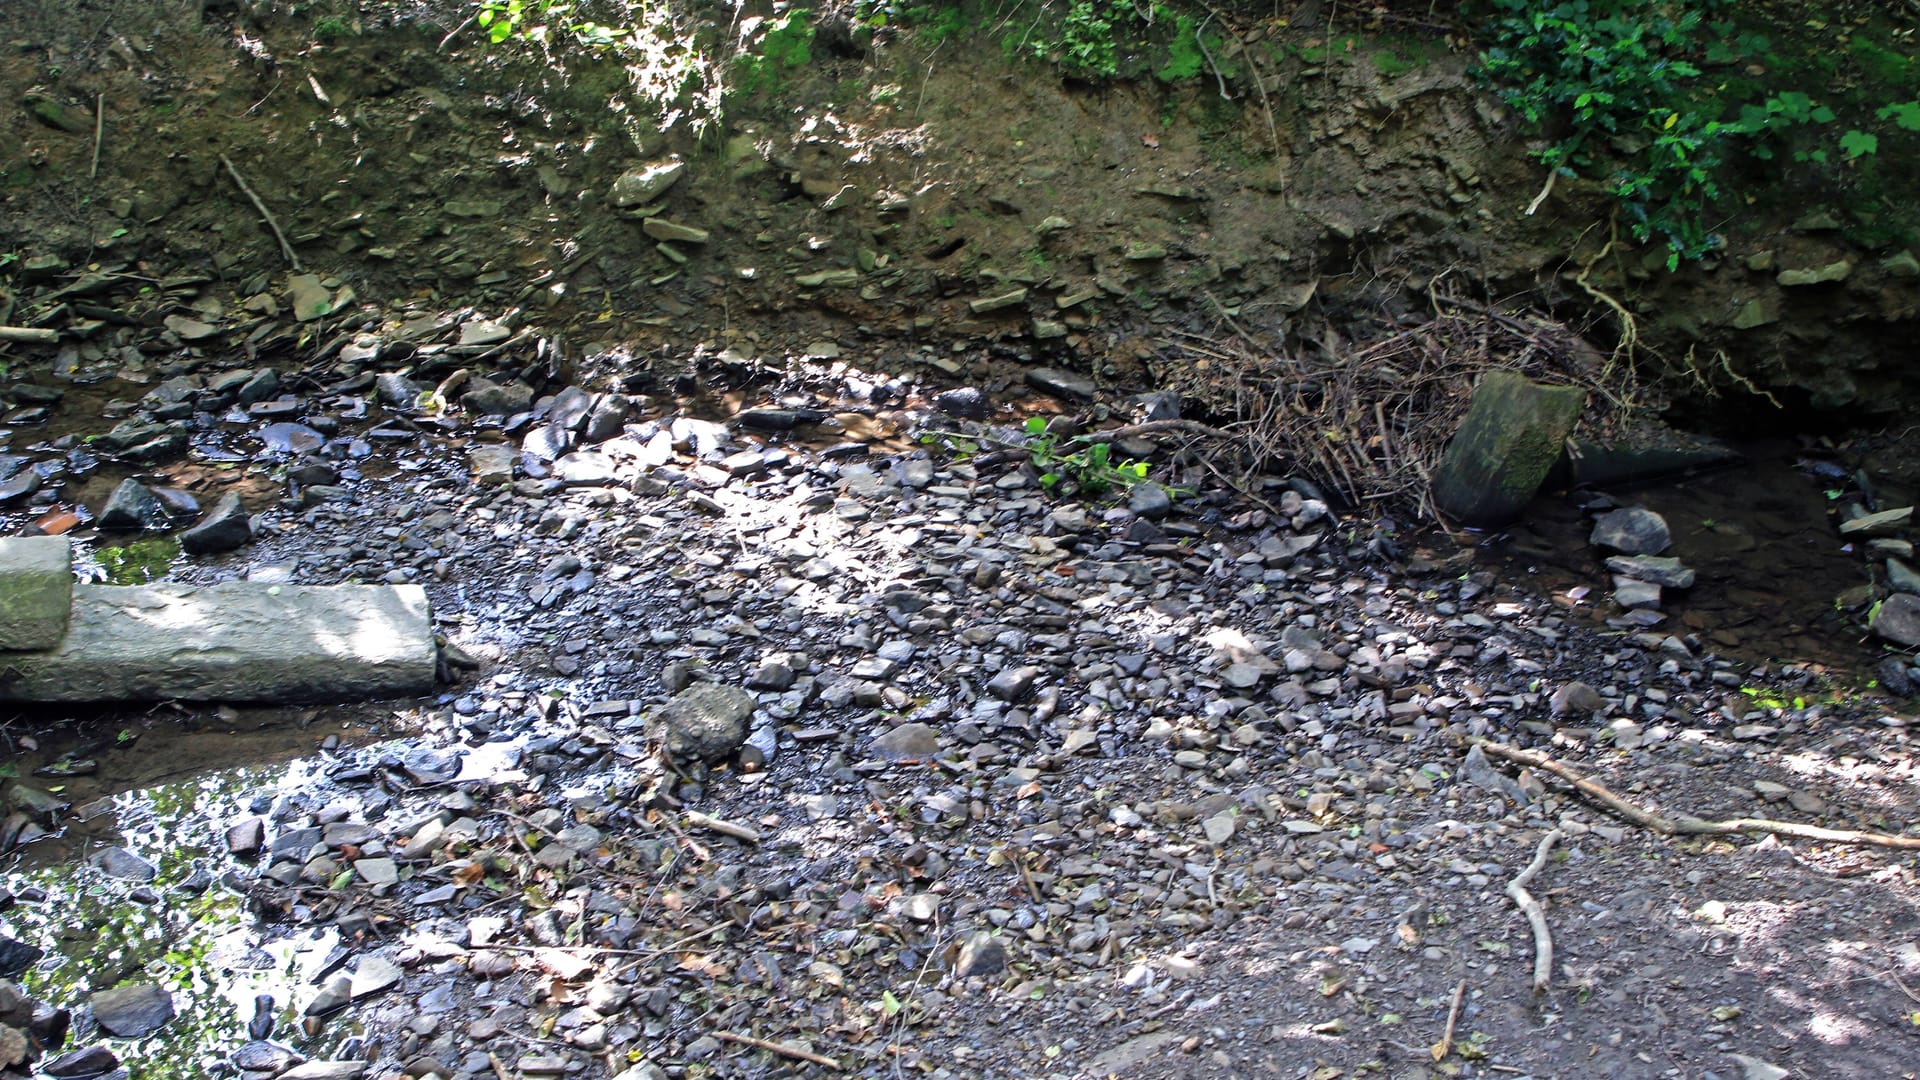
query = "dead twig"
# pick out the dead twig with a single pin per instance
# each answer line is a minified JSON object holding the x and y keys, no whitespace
{"x":1441,"y":1049}
{"x":1536,"y":915}
{"x":99,"y":133}
{"x":1155,"y":427}
{"x":798,"y":1053}
{"x":286,"y":249}
{"x":29,"y":334}
{"x":724,"y":827}
{"x":1686,"y":825}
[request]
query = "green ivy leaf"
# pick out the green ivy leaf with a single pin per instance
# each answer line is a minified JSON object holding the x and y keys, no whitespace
{"x":1905,"y":115}
{"x":1858,"y":144}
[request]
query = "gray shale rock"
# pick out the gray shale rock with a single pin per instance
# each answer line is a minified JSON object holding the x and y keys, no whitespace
{"x":225,"y":528}
{"x":1898,"y":619}
{"x":132,"y":506}
{"x":1631,"y":531}
{"x":132,"y":1011}
{"x":704,"y":722}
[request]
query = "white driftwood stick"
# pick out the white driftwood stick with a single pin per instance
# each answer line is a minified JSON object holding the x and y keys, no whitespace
{"x":723,"y":827}
{"x":29,"y":334}
{"x":1536,"y":915}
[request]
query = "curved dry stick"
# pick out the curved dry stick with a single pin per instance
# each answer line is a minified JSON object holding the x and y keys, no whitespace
{"x":1685,"y":825}
{"x":285,"y":248}
{"x":1536,"y":915}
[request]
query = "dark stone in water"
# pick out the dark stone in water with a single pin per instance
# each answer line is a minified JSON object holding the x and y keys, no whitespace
{"x":16,"y":957}
{"x":1631,"y":530}
{"x":116,"y":862}
{"x":88,"y":1061}
{"x":132,"y":1011}
{"x":265,"y":1057}
{"x":261,"y":1025}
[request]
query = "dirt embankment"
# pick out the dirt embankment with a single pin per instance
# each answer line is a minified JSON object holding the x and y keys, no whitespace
{"x":904,"y":200}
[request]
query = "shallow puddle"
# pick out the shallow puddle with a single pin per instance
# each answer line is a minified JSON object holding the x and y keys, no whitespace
{"x":1769,"y":560}
{"x":165,"y":791}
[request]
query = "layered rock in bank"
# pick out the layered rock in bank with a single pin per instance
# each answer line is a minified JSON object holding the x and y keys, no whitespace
{"x":236,"y":641}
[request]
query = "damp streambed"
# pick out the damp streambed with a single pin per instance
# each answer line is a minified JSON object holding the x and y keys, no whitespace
{"x":1776,"y":582}
{"x":167,"y":798}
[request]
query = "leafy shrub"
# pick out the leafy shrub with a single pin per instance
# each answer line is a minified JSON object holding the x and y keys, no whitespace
{"x":1610,"y":78}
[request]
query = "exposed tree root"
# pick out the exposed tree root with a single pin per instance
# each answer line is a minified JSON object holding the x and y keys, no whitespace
{"x":1685,"y":825}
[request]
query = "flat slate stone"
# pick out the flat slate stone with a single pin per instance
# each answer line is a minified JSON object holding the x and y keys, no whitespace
{"x":236,"y":641}
{"x":36,"y":591}
{"x":132,"y":1011}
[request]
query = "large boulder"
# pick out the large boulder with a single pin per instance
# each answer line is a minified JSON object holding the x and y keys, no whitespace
{"x":1897,"y":618}
{"x":704,"y":722}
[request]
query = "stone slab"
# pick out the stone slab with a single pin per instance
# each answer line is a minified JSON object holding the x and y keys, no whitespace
{"x":236,"y":641}
{"x":36,"y":591}
{"x":1513,"y":434}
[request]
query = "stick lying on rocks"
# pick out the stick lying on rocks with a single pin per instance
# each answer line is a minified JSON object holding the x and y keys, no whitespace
{"x":29,"y":334}
{"x":1536,"y":915}
{"x":1685,"y":825}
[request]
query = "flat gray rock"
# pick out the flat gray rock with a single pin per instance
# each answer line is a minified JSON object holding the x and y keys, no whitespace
{"x":236,"y":641}
{"x":1057,"y":381}
{"x":1631,"y":530}
{"x":133,"y":1011}
{"x":1657,"y":569}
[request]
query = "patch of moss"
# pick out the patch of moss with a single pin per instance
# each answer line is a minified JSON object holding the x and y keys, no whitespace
{"x":139,"y":562}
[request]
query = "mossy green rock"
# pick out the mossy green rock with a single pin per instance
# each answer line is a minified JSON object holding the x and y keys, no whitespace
{"x":1816,"y":275}
{"x":1510,"y":440}
{"x":36,"y":591}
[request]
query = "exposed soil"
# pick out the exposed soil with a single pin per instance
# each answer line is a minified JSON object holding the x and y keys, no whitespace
{"x":1187,"y":873}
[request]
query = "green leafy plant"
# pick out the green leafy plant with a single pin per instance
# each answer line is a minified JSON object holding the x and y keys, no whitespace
{"x":788,"y":44}
{"x":332,"y":28}
{"x":1089,"y":466}
{"x":1610,"y":80}
{"x":1617,"y":88}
